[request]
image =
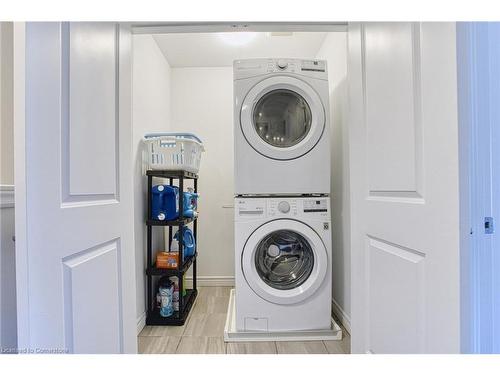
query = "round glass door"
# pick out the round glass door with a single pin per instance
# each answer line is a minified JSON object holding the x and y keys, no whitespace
{"x":284,"y":259}
{"x":282,"y":118}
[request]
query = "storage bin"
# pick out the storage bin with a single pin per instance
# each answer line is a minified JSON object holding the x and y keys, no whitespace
{"x":172,"y":151}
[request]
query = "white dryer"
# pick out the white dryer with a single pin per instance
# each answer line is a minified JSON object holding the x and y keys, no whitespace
{"x":281,"y":133}
{"x":283,"y":264}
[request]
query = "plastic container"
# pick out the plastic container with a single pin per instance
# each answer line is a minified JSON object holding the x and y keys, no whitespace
{"x":188,"y":243}
{"x":164,"y":202}
{"x":190,"y":203}
{"x":172,"y":151}
{"x":174,"y":280}
{"x":166,"y":292}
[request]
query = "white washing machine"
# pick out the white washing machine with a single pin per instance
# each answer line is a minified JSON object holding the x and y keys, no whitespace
{"x":281,"y":134}
{"x":283,"y":264}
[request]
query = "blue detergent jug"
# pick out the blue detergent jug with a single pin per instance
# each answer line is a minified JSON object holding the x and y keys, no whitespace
{"x":188,"y":243}
{"x":190,"y":203}
{"x":164,"y":202}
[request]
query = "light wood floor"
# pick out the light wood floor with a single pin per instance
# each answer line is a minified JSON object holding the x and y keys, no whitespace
{"x":204,"y":331}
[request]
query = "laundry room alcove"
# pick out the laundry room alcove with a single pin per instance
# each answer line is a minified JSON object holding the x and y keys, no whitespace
{"x":183,"y":82}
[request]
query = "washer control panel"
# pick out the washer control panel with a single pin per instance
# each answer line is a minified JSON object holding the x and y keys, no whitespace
{"x":281,"y":207}
{"x":289,"y":207}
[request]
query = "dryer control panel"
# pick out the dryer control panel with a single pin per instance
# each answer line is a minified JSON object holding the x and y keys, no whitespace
{"x":256,"y":67}
{"x":295,"y":66}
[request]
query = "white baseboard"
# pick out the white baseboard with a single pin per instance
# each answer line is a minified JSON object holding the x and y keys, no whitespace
{"x":6,"y":196}
{"x":212,"y":280}
{"x":342,"y":316}
{"x":141,"y":322}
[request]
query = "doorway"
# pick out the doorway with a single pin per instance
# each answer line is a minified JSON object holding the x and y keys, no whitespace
{"x":197,"y":65}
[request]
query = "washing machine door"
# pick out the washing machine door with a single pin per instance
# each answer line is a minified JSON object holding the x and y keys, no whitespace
{"x":282,"y":117}
{"x":284,"y":261}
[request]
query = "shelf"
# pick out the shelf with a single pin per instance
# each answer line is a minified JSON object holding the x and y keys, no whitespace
{"x":153,"y":271}
{"x":170,"y":223}
{"x":178,"y":318}
{"x":172,"y":174}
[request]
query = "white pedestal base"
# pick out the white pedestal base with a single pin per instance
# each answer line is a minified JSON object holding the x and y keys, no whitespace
{"x":231,"y":335}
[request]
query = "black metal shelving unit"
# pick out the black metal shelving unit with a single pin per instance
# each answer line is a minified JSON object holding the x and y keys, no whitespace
{"x":185,"y":302}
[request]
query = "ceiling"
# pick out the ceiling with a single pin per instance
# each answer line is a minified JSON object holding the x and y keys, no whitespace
{"x":221,"y":49}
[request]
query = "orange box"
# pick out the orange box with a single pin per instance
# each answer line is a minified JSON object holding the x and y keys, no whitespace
{"x":167,"y":260}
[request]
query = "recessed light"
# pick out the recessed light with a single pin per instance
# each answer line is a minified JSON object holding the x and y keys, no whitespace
{"x":280,"y":33}
{"x":237,"y":38}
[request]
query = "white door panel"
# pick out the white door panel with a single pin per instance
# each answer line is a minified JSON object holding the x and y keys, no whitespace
{"x":80,"y":276}
{"x":89,"y":62}
{"x":404,"y":173}
{"x":394,"y":111}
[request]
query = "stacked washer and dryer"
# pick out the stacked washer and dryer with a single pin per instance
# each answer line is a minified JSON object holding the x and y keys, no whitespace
{"x":283,"y":259}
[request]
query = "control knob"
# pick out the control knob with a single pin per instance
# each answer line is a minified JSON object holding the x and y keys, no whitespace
{"x":282,"y":64}
{"x":284,"y":207}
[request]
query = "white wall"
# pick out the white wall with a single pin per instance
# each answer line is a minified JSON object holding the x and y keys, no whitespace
{"x":151,"y":113}
{"x":8,"y":319}
{"x":334,"y":51}
{"x":202,"y":103}
{"x":6,"y":109}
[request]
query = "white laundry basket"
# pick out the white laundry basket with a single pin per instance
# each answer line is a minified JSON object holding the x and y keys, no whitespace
{"x":172,"y":151}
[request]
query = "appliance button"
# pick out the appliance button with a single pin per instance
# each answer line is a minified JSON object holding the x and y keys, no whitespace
{"x":282,"y":64}
{"x":284,"y":207}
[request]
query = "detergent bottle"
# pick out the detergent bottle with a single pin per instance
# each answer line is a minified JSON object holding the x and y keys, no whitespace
{"x":166,"y":297}
{"x":190,"y":203}
{"x":188,"y":242}
{"x":164,"y":202}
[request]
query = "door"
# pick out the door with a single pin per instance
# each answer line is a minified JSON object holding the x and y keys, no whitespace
{"x":76,"y":278}
{"x":284,"y":261}
{"x":405,"y":196}
{"x":282,"y":118}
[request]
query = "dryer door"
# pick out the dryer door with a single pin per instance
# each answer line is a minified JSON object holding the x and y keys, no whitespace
{"x":282,"y":118}
{"x":284,"y":261}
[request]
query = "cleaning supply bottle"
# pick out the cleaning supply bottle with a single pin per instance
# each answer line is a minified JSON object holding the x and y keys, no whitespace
{"x":174,"y":245}
{"x":164,"y":202}
{"x":188,"y":242}
{"x":190,"y":203}
{"x":166,"y":291}
{"x":175,"y":282}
